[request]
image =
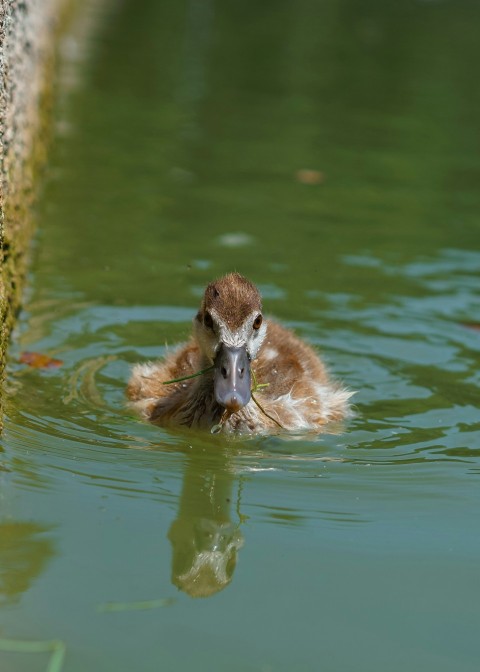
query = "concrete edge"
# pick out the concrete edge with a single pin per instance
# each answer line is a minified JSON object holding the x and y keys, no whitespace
{"x":30,"y":36}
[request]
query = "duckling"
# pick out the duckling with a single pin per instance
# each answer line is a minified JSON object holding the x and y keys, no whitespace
{"x":255,"y":375}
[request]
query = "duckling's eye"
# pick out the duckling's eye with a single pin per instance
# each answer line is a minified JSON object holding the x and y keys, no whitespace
{"x":257,"y":323}
{"x":208,"y":321}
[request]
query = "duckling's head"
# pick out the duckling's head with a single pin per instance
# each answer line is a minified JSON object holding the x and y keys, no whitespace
{"x":229,"y":329}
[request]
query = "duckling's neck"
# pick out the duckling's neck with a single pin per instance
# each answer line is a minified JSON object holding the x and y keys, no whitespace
{"x":200,"y":409}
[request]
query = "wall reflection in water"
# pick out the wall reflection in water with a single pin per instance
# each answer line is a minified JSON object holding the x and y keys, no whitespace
{"x":24,"y":553}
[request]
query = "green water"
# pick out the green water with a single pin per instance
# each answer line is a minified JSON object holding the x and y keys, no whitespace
{"x":176,"y":160}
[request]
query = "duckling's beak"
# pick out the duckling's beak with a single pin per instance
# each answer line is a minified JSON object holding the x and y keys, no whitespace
{"x":232,"y":378}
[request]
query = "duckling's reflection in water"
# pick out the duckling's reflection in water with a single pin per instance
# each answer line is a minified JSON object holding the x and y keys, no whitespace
{"x":204,"y":539}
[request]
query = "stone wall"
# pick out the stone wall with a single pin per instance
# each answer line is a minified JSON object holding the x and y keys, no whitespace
{"x":29,"y":30}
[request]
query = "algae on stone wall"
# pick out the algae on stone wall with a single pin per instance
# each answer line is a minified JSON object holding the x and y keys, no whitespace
{"x":28,"y":33}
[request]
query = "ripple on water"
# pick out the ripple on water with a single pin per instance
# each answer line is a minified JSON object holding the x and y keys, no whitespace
{"x":410,"y":360}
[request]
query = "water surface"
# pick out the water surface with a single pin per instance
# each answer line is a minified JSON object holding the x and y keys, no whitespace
{"x":177,"y":158}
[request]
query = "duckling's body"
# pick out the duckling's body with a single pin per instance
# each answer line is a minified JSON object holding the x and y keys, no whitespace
{"x":295,"y":390}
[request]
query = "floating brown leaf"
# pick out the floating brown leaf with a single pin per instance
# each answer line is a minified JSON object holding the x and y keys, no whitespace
{"x":39,"y":361}
{"x":308,"y":176}
{"x":471,"y":325}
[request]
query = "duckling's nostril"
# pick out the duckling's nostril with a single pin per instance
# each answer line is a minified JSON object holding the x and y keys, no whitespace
{"x":241,"y":372}
{"x":224,"y":372}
